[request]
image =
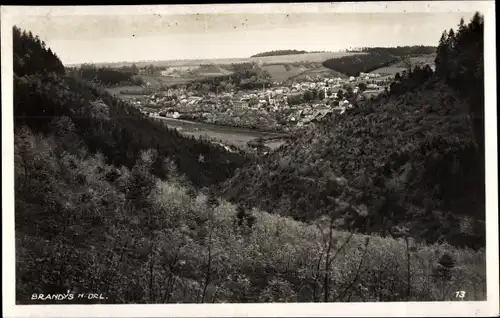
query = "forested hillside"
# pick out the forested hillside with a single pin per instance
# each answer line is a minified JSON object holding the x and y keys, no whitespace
{"x":279,"y":52}
{"x":108,"y":201}
{"x":352,"y":65}
{"x":411,"y":160}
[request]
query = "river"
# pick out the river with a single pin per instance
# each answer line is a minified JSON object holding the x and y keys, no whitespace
{"x":228,"y":135}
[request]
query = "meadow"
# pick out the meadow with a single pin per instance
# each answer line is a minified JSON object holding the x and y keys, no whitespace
{"x":132,"y":88}
{"x":400,"y":66}
{"x":282,"y":72}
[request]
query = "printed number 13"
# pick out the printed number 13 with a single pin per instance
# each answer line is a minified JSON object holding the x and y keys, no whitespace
{"x":460,"y":294}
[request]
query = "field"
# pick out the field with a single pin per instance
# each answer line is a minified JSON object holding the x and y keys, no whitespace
{"x":400,"y":66}
{"x":118,"y":89}
{"x":227,"y":135}
{"x":280,"y":72}
{"x":319,"y":71}
{"x":158,"y":81}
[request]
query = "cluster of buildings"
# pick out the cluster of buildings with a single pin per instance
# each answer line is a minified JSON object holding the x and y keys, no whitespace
{"x":182,"y":102}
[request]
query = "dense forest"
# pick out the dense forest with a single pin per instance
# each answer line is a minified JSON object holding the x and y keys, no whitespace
{"x":107,"y":76}
{"x":110,"y":201}
{"x":279,"y":52}
{"x":352,"y":65}
{"x":400,"y":51}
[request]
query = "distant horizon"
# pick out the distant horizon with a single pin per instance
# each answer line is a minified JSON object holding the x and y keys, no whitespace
{"x":227,"y":58}
{"x":127,"y":38}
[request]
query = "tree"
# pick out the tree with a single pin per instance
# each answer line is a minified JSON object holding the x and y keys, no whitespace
{"x":362,"y":87}
{"x":135,"y":69}
{"x":349,"y":92}
{"x":321,"y":94}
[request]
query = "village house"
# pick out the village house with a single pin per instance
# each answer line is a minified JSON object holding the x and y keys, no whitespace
{"x":240,"y":105}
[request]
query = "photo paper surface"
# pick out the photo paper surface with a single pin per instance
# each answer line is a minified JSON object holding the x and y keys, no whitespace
{"x":267,"y":160}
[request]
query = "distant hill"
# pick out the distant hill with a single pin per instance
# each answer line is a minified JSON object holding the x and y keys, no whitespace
{"x":317,"y":57}
{"x":279,"y":52}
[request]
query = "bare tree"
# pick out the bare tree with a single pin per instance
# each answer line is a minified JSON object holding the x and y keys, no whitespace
{"x":408,"y":64}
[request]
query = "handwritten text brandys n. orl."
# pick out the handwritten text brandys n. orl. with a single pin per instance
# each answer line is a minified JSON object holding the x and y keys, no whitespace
{"x":68,"y":296}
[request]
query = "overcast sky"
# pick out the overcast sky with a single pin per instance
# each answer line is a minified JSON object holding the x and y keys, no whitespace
{"x":113,"y":38}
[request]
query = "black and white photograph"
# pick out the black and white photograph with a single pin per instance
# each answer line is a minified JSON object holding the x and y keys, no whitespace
{"x":287,"y":156}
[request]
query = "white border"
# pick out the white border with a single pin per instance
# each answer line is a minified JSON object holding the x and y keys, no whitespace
{"x":409,"y":309}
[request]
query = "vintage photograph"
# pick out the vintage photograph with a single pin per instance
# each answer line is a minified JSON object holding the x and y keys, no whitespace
{"x":169,"y":156}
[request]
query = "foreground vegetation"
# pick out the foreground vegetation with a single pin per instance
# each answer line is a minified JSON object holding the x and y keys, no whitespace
{"x":135,"y":238}
{"x":108,"y":201}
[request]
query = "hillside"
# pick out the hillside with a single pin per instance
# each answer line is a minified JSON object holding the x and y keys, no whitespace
{"x":320,"y":72}
{"x":211,"y":70}
{"x":413,"y":159}
{"x":279,"y":52}
{"x":401,"y":51}
{"x":108,"y":125}
{"x":282,"y":72}
{"x":401,"y":66}
{"x":352,"y":65}
{"x":373,"y":59}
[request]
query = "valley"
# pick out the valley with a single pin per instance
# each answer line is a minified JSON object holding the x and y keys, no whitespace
{"x":353,"y":176}
{"x":235,"y":136}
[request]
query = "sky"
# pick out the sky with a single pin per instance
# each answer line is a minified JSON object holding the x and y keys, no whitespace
{"x":143,"y":37}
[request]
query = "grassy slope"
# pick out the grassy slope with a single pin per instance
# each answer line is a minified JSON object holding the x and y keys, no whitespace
{"x":279,"y":72}
{"x":319,"y":71}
